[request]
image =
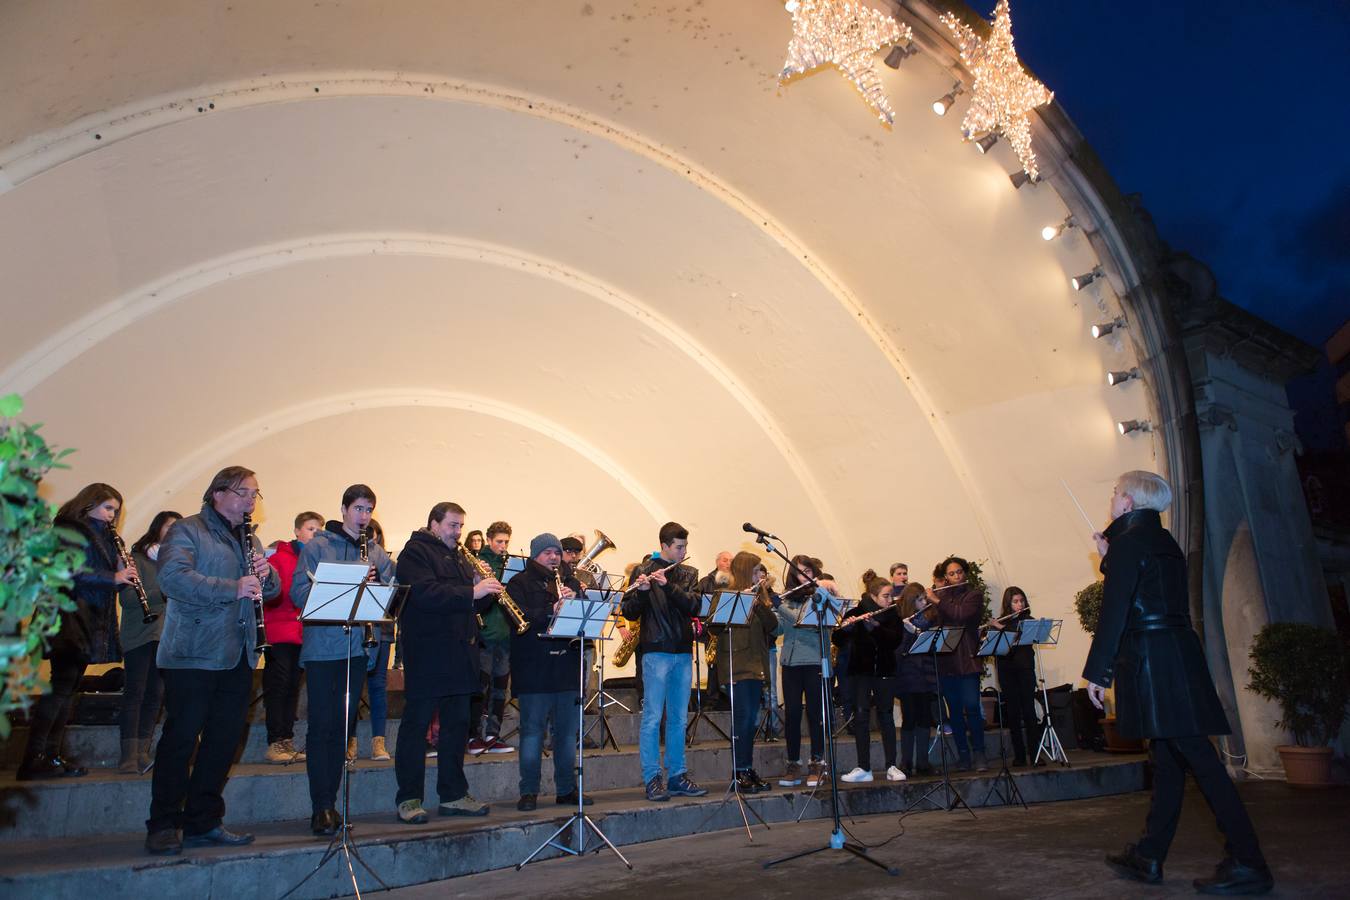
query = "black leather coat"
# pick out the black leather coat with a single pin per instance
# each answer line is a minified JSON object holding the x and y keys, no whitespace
{"x":1144,"y":640}
{"x":665,"y":612}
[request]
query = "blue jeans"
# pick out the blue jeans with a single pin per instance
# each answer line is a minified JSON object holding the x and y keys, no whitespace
{"x":746,"y":696}
{"x":962,"y":693}
{"x":773,"y":721}
{"x":667,"y":679}
{"x":379,"y":698}
{"x":535,"y":710}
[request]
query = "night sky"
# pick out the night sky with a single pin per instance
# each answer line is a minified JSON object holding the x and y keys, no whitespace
{"x":1233,"y":122}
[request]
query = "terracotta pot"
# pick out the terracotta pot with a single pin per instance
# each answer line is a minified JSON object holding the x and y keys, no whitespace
{"x":1117,"y":744}
{"x":1306,"y":766}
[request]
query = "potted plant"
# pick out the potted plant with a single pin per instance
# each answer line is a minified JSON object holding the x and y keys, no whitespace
{"x":1304,"y":668}
{"x":1088,"y":604}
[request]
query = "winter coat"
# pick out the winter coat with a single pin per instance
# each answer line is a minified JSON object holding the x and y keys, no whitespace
{"x":539,"y":664}
{"x":333,"y":544}
{"x":135,"y":632}
{"x":280,"y":616}
{"x":872,"y":643}
{"x":664,"y":611}
{"x":90,"y":630}
{"x":438,"y":627}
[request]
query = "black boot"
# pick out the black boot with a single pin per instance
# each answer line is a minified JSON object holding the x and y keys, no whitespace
{"x":34,"y":768}
{"x":1130,"y":863}
{"x":1232,"y":877}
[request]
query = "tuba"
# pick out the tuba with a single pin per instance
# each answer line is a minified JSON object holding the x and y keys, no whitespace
{"x":587,"y":562}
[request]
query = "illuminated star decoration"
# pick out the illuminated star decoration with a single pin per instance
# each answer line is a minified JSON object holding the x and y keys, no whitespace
{"x":847,"y":35}
{"x":1003,"y":94}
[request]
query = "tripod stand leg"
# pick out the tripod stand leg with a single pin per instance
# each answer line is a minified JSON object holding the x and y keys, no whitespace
{"x":608,"y":842}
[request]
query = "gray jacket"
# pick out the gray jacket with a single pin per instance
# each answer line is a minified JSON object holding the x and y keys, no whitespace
{"x":328,"y":642}
{"x":205,"y":625}
{"x":801,"y":646}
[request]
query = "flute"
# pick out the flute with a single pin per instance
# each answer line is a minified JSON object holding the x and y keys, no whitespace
{"x":634,"y":587}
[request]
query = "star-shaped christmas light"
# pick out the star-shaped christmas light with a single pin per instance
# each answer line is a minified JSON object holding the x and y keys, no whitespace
{"x":1003,"y":93}
{"x":847,"y":35}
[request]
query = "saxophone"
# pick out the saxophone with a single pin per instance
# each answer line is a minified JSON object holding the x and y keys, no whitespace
{"x":513,"y":611}
{"x":629,"y":644}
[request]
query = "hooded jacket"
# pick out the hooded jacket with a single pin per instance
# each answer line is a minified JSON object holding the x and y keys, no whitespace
{"x":333,"y":544}
{"x":438,"y":628}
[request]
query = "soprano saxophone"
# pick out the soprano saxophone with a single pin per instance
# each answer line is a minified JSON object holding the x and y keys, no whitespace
{"x":513,"y":611}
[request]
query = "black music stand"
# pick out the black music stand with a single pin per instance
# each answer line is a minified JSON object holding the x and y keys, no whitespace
{"x":691,"y":730}
{"x":579,"y":619}
{"x":602,"y":698}
{"x":932,"y":643}
{"x":733,"y":610}
{"x":344,"y":597}
{"x":995,"y":644}
{"x":1040,"y":633}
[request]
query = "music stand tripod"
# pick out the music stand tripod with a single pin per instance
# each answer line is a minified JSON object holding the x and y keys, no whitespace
{"x":933,"y":642}
{"x":340,"y":595}
{"x":1042,"y":633}
{"x":602,"y":698}
{"x":998,"y":643}
{"x":691,"y":730}
{"x":733,"y":610}
{"x":833,"y":609}
{"x":581,"y":618}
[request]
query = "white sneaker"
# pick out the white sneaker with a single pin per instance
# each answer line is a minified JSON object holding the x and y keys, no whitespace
{"x":858,"y":774}
{"x":894,"y":774}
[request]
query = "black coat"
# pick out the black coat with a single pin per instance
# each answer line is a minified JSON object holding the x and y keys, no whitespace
{"x":541,"y":665}
{"x":1144,"y":640}
{"x":1021,"y":657}
{"x":914,"y":674}
{"x":437,"y":627}
{"x":90,"y":630}
{"x":665,"y":612}
{"x":872,"y":644}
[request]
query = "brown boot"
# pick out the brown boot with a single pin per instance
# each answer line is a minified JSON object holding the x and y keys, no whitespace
{"x":127,"y":765}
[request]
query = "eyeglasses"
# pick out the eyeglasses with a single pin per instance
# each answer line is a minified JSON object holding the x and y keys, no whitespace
{"x":245,"y":495}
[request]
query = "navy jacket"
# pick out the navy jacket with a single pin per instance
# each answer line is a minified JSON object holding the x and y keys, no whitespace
{"x":540,"y":665}
{"x":437,"y":627}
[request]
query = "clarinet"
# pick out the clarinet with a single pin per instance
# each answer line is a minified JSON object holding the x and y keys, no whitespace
{"x":125,"y":558}
{"x":368,"y":637}
{"x":246,"y":555}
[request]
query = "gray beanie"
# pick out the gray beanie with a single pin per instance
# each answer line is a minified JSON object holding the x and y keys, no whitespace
{"x":543,"y":542}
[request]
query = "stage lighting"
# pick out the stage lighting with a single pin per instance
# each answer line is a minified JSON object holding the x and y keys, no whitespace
{"x":1020,"y":177}
{"x":946,"y":101}
{"x":1103,"y":329}
{"x":1050,"y":232}
{"x":1130,"y":425}
{"x":899,"y":54}
{"x":1081,"y":281}
{"x":984,"y":143}
{"x":1115,"y":378}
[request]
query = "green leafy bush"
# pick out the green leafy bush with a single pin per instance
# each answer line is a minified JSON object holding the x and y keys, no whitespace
{"x":1088,"y":604}
{"x":1305,"y":669}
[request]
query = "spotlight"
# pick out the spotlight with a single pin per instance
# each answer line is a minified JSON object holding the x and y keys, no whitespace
{"x":984,"y":143}
{"x":1115,"y":378}
{"x":1105,"y":328}
{"x":1134,"y":425}
{"x":945,"y":102}
{"x":1081,"y":281}
{"x":1050,"y":232}
{"x":1020,"y":177}
{"x":899,"y":54}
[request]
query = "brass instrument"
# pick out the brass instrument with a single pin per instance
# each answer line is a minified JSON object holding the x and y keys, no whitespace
{"x":368,"y":637}
{"x":587,"y":562}
{"x":246,"y":549}
{"x":125,"y":558}
{"x":629,"y":644}
{"x":513,"y":611}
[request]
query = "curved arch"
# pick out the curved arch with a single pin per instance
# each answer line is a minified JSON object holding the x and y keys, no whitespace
{"x":332,"y":405}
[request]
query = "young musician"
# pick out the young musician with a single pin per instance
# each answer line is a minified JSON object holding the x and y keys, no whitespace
{"x":1017,"y":678}
{"x":746,"y":649}
{"x":143,"y":691}
{"x":330,"y":652}
{"x":281,"y":659}
{"x":956,"y":603}
{"x":87,"y":634}
{"x":915,"y":686}
{"x":899,"y":578}
{"x":474,"y":541}
{"x":440,"y":662}
{"x":213,"y":574}
{"x":801,"y":673}
{"x":872,"y":644}
{"x":1146,"y":645}
{"x":494,"y":656}
{"x":662,"y":602}
{"x":545,"y":674}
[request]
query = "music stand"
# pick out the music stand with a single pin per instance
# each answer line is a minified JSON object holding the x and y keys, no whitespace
{"x":996,"y":643}
{"x":823,"y":608}
{"x":341,"y":595}
{"x":934,"y":642}
{"x":733,"y":610}
{"x":1038,"y":633}
{"x":579,"y":619}
{"x":705,"y":606}
{"x":602,"y":698}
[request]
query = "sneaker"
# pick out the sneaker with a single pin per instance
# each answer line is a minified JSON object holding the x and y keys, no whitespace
{"x":760,"y":784}
{"x":410,"y":812}
{"x":432,"y":753}
{"x":477,"y":746}
{"x":792,"y":775}
{"x":464,"y":806}
{"x":377,"y":750}
{"x":496,"y":745}
{"x":351,"y":748}
{"x":297,"y":755}
{"x":947,"y":730}
{"x":656,"y":790}
{"x":681,"y":786}
{"x":278,"y":754}
{"x":981,"y":764}
{"x":815,"y":773}
{"x":858,"y":774}
{"x":894,"y":774}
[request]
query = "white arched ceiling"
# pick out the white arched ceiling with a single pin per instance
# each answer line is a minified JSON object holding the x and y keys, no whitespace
{"x":588,"y":267}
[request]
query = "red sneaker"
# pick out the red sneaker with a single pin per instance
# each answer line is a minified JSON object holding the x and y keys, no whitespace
{"x":476,"y":746}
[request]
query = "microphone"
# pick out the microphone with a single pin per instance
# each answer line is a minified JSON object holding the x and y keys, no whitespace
{"x":759,"y":531}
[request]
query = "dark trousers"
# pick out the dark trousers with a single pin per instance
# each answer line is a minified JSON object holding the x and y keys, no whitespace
{"x":52,"y":710}
{"x":1171,"y":758}
{"x":874,"y":692}
{"x":746,"y":696}
{"x":535,"y":711}
{"x":410,"y":755}
{"x":206,"y":704}
{"x":962,"y":693}
{"x":1018,"y":689}
{"x":326,"y":746}
{"x":281,"y":690}
{"x":916,"y":724}
{"x":802,"y":682}
{"x":142,"y":693}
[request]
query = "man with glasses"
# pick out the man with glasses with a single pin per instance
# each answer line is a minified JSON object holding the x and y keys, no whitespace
{"x":207,"y":655}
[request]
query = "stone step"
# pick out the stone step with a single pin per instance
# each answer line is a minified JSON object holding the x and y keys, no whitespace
{"x":115,"y":866}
